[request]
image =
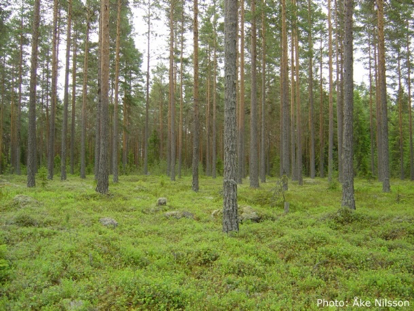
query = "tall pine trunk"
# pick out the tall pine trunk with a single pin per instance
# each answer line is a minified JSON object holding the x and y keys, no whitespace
{"x":31,"y":148}
{"x":284,"y":98}
{"x":146,"y":135}
{"x":310,"y":91}
{"x":84,"y":97}
{"x":263,"y":97}
{"x":115,"y":124}
{"x":230,"y":219}
{"x":331,"y":121}
{"x":195,"y":186}
{"x":383,"y":100}
{"x":410,"y":107}
{"x":254,"y":159}
{"x":66,"y":97}
{"x":240,"y":146}
{"x":348,"y":199}
{"x":72,"y":136}
{"x":103,"y":172}
{"x":172,"y":94}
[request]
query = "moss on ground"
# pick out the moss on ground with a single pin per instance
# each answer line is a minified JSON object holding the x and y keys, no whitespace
{"x":56,"y":255}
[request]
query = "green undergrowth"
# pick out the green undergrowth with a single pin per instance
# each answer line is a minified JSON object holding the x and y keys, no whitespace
{"x":56,"y":255}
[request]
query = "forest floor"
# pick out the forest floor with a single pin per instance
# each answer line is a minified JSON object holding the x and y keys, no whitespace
{"x":55,"y":254}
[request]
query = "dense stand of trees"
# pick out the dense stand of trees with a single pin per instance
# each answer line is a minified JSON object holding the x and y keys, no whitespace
{"x":293,"y":70}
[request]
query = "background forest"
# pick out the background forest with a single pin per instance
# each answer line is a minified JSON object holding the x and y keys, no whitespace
{"x":151,"y":111}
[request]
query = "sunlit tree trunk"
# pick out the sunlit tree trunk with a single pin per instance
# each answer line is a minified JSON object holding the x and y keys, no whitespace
{"x":72,"y":136}
{"x":331,"y":121}
{"x":240,"y":146}
{"x":172,"y":95}
{"x":263,"y":98}
{"x":84,"y":98}
{"x":310,"y":91}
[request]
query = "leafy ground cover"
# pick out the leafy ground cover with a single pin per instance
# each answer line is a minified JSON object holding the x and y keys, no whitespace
{"x":55,"y":254}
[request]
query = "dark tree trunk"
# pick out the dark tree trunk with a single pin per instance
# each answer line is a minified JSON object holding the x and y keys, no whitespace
{"x":31,"y":148}
{"x":146,"y":136}
{"x":230,"y":219}
{"x":348,"y":199}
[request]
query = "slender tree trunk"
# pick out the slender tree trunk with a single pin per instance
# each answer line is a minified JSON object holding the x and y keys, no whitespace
{"x":254,"y":159}
{"x":378,"y":114}
{"x":321,"y":123}
{"x":331,"y":121}
{"x":98,"y":106}
{"x":103,"y":172}
{"x":240,"y":151}
{"x":172,"y":94}
{"x":51,"y":155}
{"x":214,"y":138}
{"x":371,"y":121}
{"x":195,"y":186}
{"x":147,"y":92}
{"x":339,"y":97}
{"x":230,"y":219}
{"x":262,"y":137}
{"x":19,"y":103}
{"x":292,"y":135}
{"x":348,"y":199}
{"x":284,"y":98}
{"x":400,"y":118}
{"x":310,"y":91}
{"x":3,"y":93}
{"x":125,"y":138}
{"x":72,"y":136}
{"x":180,"y":128}
{"x":208,"y":164}
{"x":409,"y":106}
{"x":85,"y":97}
{"x":31,"y":148}
{"x":115,"y":124}
{"x":298,"y":108}
{"x":383,"y":99}
{"x":66,"y":96}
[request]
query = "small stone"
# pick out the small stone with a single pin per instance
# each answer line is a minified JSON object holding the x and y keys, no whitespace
{"x":162,"y":201}
{"x":247,"y":213}
{"x":108,"y":222}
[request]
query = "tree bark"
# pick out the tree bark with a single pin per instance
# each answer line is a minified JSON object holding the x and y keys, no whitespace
{"x":85,"y":97}
{"x":400,"y":117}
{"x":254,"y":159}
{"x":310,"y":91}
{"x":230,"y":219}
{"x":31,"y":148}
{"x":262,"y":133}
{"x":55,"y":47}
{"x":103,"y":172}
{"x":383,"y":100}
{"x":331,"y":121}
{"x":72,"y":136}
{"x":195,"y":186}
{"x":348,"y":199}
{"x":240,"y":150}
{"x":180,"y":127}
{"x":298,"y":106}
{"x":214,"y":138}
{"x":284,"y":98}
{"x":115,"y":130}
{"x":66,"y":96}
{"x":409,"y":105}
{"x":172,"y":94}
{"x":321,"y":123}
{"x":339,"y":104}
{"x":147,"y":91}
